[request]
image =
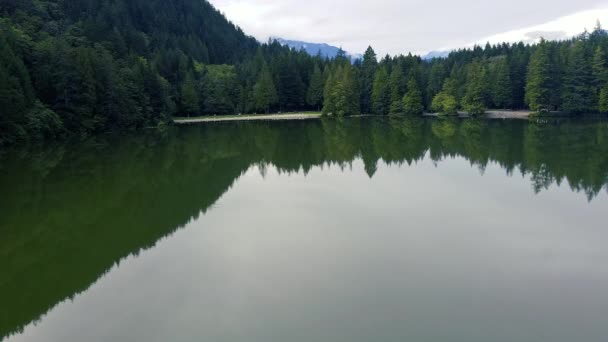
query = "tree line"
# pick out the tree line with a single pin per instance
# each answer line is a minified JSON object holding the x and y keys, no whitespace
{"x":87,"y":66}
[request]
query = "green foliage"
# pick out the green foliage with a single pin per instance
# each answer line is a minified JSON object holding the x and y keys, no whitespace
{"x":599,"y":67}
{"x":474,"y":99}
{"x":368,"y":72}
{"x":264,"y":92}
{"x":578,"y":93}
{"x":314,"y":96}
{"x":220,"y":89}
{"x":412,"y":101}
{"x":381,"y":96}
{"x":110,"y":65}
{"x":603,"y":100}
{"x":397,"y":90}
{"x":189,"y":96}
{"x":444,"y":103}
{"x":342,"y":92}
{"x":501,"y":86}
{"x":42,"y":123}
{"x":539,"y":84}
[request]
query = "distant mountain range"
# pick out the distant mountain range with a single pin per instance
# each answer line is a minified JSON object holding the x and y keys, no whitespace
{"x":330,"y":51}
{"x":313,"y":49}
{"x":435,"y":54}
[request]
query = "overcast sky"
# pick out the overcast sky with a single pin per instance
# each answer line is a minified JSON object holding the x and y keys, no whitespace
{"x":418,"y":26}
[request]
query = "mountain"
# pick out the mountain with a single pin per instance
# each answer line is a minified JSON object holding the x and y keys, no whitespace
{"x":436,"y":54}
{"x":313,"y":49}
{"x":83,"y":66}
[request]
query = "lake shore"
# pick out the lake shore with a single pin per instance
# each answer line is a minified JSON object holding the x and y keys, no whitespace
{"x":274,"y":117}
{"x":494,"y":114}
{"x":490,"y":114}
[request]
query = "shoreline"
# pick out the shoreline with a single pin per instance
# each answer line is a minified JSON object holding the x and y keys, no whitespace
{"x":260,"y":117}
{"x":495,"y":114}
{"x":491,"y":114}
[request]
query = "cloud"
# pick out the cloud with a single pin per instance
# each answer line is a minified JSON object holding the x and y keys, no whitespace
{"x":397,"y":26}
{"x":561,"y":28}
{"x":535,"y":36}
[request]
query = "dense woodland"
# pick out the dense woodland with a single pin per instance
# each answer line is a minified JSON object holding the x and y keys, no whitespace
{"x":79,"y":67}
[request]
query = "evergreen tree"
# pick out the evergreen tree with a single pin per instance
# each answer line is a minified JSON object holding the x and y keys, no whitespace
{"x":412,"y":101}
{"x":329,"y":101}
{"x":368,"y":72}
{"x":264,"y":92}
{"x":474,"y":99}
{"x":345,"y":92}
{"x":314,"y":97}
{"x":603,"y":100}
{"x":502,"y":87}
{"x":600,"y":68}
{"x":538,"y":83}
{"x":396,"y":88}
{"x":189,"y":96}
{"x":578,"y":93}
{"x":436,"y":78}
{"x":290,"y":88}
{"x":381,"y":96}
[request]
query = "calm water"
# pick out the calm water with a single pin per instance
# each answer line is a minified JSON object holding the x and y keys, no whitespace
{"x":367,"y":229}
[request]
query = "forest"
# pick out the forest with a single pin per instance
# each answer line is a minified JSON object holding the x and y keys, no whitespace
{"x":81,"y":67}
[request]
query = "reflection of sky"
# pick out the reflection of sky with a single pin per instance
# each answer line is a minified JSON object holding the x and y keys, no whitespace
{"x":416,"y":253}
{"x":402,"y":26}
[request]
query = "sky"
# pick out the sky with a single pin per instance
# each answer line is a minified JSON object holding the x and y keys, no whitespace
{"x":417,"y":26}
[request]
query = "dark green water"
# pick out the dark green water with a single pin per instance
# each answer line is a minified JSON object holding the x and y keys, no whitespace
{"x":368,"y":229}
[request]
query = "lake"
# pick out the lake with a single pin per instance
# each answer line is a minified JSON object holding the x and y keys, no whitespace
{"x":363,"y":229}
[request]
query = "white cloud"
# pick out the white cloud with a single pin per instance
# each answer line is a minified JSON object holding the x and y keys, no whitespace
{"x":561,"y":28}
{"x":394,"y":26}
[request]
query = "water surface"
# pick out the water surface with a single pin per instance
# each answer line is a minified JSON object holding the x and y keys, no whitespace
{"x":367,"y":229}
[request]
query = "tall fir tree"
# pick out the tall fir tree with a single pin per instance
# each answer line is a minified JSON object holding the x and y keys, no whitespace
{"x":189,"y":96}
{"x":603,"y":100}
{"x":502,"y":89}
{"x":397,"y":89}
{"x":345,"y":91}
{"x":381,"y":96}
{"x":474,"y":100}
{"x":578,"y":91}
{"x":538,"y":81}
{"x":314,"y":96}
{"x":329,"y":101}
{"x":264,"y":91}
{"x":412,"y":101}
{"x":600,"y":68}
{"x":368,"y":72}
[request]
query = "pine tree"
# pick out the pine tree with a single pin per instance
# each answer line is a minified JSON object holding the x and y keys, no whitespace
{"x":264,"y":92}
{"x":538,"y":81}
{"x":396,"y":88}
{"x":600,"y":68}
{"x":329,"y":107}
{"x":368,"y":71}
{"x":189,"y":96}
{"x":412,"y":101}
{"x":578,"y":93}
{"x":289,"y":87}
{"x":342,"y":92}
{"x":474,"y":99}
{"x":436,"y":78}
{"x":603,"y":100}
{"x":502,"y":88}
{"x":346,"y":98}
{"x":381,"y":96}
{"x":314,"y":97}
